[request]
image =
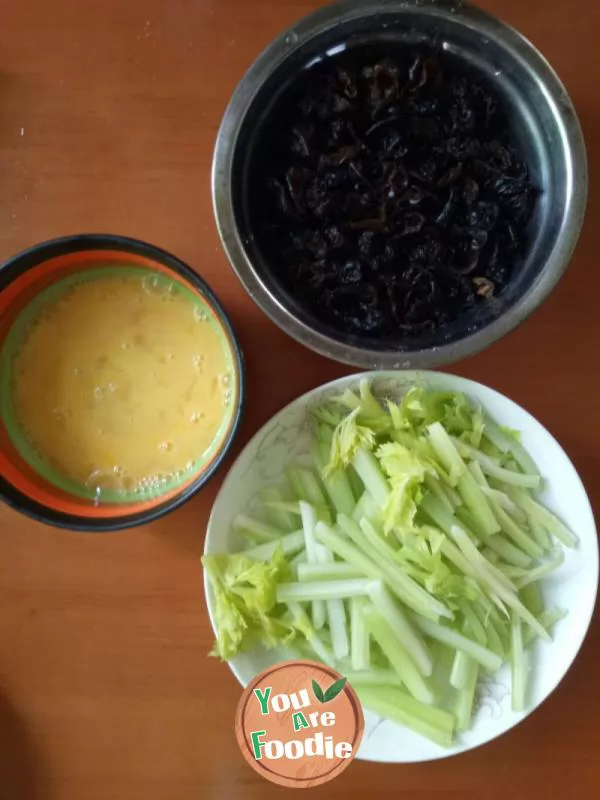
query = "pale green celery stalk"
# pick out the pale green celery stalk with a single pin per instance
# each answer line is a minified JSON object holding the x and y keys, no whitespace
{"x":542,"y":571}
{"x":494,"y":641}
{"x":271,"y":498}
{"x":309,"y":519}
{"x":474,"y":625}
{"x":290,"y":543}
{"x":446,"y":452}
{"x":355,"y":482}
{"x":460,"y":669}
{"x":514,"y":532}
{"x":402,"y":627}
{"x":254,"y":529}
{"x":402,"y":585}
{"x":531,"y":595}
{"x":293,"y":476}
{"x":348,"y":399}
{"x":539,"y":533}
{"x":359,"y":636}
{"x":548,"y":619}
{"x":322,"y":590}
{"x":465,"y":698}
{"x":494,"y":470}
{"x":442,"y":658}
{"x":396,"y":705}
{"x":370,"y":406}
{"x":437,"y":512}
{"x":511,"y":572}
{"x":356,"y":556}
{"x":370,"y":677}
{"x":507,"y":551}
{"x":544,"y":517}
{"x":491,"y":661}
{"x":336,"y":484}
{"x":369,"y":472}
{"x":478,"y":505}
{"x":298,"y":560}
{"x":314,"y":494}
{"x":500,"y":497}
{"x":336,"y":612}
{"x":491,"y":555}
{"x":302,"y":621}
{"x":518,"y":668}
{"x":436,"y":489}
{"x":328,"y":572}
{"x":467,"y":519}
{"x":508,"y":444}
{"x":366,"y":507}
{"x":394,"y":651}
{"x":495,"y":581}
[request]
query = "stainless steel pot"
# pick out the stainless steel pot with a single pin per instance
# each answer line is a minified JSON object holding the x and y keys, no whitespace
{"x":542,"y":116}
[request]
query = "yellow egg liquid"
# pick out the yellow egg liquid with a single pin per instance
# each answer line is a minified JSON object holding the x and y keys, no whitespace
{"x":121,"y":382}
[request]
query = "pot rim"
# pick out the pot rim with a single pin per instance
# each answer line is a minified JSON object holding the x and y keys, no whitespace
{"x":572,"y":148}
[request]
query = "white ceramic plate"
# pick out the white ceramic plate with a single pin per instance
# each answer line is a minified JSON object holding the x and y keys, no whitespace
{"x":287,"y":437}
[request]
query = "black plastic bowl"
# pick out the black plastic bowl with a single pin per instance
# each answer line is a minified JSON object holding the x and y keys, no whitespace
{"x":543,"y":121}
{"x":28,"y":489}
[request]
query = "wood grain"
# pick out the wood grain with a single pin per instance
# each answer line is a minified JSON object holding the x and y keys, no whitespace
{"x":108,"y":114}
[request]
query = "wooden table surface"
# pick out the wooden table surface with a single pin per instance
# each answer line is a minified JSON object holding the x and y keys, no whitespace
{"x":108,"y":115}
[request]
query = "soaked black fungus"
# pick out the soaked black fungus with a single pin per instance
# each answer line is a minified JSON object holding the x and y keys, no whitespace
{"x":391,"y":199}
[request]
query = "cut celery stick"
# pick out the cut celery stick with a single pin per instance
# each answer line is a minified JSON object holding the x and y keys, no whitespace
{"x":548,"y":619}
{"x":452,"y":638}
{"x":337,"y":486}
{"x":299,"y":559}
{"x":290,"y":543}
{"x":403,"y":586}
{"x":517,"y":665}
{"x":542,"y":570}
{"x":460,"y":670}
{"x":496,"y":581}
{"x":475,"y":628}
{"x":328,"y":572}
{"x":477,"y":560}
{"x":271,"y":498}
{"x":539,"y":533}
{"x":446,"y":452}
{"x":336,"y":612}
{"x":322,"y":590}
{"x":309,"y":518}
{"x":254,"y":529}
{"x":508,"y":444}
{"x":314,"y":494}
{"x":371,"y":475}
{"x":514,"y":532}
{"x":394,"y":651}
{"x":437,"y":489}
{"x":546,"y":518}
{"x":355,"y":482}
{"x":366,"y":507}
{"x":465,"y":698}
{"x":492,"y":468}
{"x":478,"y":505}
{"x":319,"y":647}
{"x":399,"y":623}
{"x":531,"y":596}
{"x":369,"y":677}
{"x":394,"y":704}
{"x":359,"y":636}
{"x":507,"y":551}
